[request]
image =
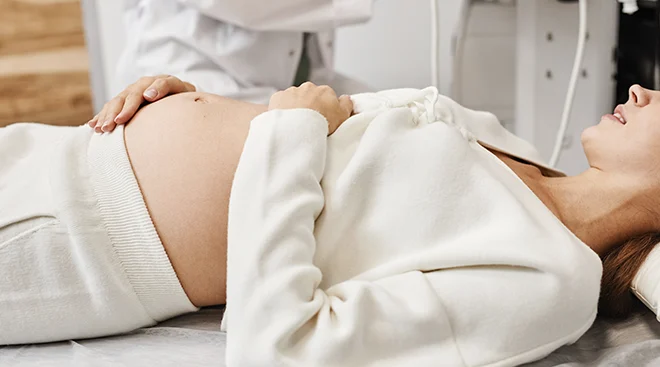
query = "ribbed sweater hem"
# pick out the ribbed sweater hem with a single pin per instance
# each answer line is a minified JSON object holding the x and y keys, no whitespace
{"x":131,"y":230}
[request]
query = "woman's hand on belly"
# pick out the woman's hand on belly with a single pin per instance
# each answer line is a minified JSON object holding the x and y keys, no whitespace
{"x":121,"y":109}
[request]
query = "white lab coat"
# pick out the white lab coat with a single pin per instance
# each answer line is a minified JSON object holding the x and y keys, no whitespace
{"x":243,"y":49}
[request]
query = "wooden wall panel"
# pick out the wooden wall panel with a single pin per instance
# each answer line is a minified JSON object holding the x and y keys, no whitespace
{"x":43,"y":63}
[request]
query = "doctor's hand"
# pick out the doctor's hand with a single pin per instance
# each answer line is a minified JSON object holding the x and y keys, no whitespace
{"x":321,"y":99}
{"x":123,"y":107}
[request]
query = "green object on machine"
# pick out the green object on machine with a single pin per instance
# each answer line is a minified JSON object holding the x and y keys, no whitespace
{"x":305,"y":64}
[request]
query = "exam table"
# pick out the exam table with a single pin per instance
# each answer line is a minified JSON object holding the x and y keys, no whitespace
{"x":196,"y":340}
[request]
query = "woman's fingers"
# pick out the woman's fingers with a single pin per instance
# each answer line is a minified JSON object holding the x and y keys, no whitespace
{"x":327,"y":90}
{"x":131,"y":106}
{"x":121,"y":109}
{"x":342,"y":114}
{"x":97,"y":128}
{"x":112,"y":109}
{"x":165,"y":86}
{"x":145,"y":86}
{"x":152,"y":93}
{"x":100,"y":119}
{"x":93,"y":121}
{"x":346,"y":105}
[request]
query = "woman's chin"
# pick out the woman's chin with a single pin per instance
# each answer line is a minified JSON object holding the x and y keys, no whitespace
{"x":589,"y":136}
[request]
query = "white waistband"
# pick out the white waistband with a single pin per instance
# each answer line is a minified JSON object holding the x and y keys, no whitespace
{"x":131,"y":229}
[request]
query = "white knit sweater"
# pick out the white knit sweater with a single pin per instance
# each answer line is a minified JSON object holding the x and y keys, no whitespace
{"x":398,"y":241}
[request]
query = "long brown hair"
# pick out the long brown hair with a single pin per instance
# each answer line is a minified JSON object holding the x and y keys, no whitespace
{"x":619,"y":269}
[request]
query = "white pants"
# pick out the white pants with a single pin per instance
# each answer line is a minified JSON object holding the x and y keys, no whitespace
{"x":79,"y":255}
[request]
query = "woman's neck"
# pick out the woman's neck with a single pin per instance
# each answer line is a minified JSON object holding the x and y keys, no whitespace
{"x":601,"y":209}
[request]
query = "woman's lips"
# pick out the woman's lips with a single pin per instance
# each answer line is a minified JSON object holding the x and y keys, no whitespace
{"x":620,"y":114}
{"x":614,"y":118}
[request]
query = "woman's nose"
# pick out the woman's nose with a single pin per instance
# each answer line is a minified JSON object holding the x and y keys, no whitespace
{"x":639,"y":96}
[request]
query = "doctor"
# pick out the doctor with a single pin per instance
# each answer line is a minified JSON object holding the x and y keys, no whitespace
{"x":242,"y":49}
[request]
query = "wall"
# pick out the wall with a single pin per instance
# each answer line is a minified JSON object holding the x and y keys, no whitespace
{"x":43,"y":63}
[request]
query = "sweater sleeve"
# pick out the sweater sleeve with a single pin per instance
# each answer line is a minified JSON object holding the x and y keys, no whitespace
{"x":278,"y":316}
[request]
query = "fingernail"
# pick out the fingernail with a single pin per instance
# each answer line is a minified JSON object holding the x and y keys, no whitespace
{"x":118,"y":117}
{"x":151,"y":93}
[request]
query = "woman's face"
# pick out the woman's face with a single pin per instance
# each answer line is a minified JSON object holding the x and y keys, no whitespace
{"x":628,"y":141}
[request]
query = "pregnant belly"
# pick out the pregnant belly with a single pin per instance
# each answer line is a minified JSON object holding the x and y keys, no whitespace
{"x":184,"y":151}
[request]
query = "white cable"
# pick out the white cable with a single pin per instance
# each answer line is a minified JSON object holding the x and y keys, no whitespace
{"x":459,"y":51}
{"x":435,"y":47}
{"x":566,"y":115}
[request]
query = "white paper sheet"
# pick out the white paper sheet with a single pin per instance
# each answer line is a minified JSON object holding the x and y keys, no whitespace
{"x":188,"y":341}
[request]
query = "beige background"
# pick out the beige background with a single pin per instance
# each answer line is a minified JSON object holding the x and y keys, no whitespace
{"x":43,"y":63}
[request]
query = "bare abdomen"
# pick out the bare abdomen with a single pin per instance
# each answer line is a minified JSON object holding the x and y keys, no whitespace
{"x":184,"y":151}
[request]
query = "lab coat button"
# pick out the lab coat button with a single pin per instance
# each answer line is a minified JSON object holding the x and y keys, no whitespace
{"x":292,"y":53}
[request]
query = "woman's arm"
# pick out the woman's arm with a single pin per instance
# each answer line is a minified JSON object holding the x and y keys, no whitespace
{"x":278,"y":316}
{"x":286,"y":15}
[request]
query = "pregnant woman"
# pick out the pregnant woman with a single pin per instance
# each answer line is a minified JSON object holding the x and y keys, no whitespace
{"x":414,"y":233}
